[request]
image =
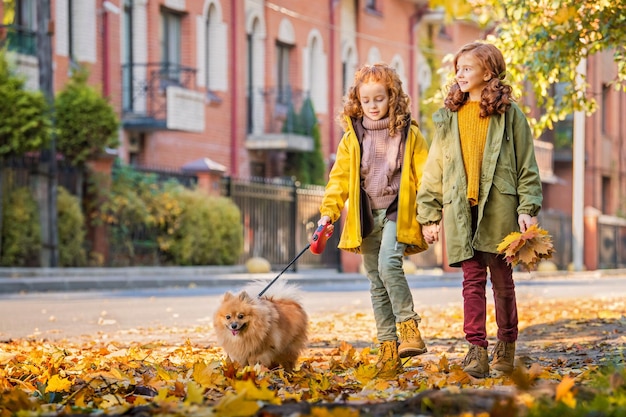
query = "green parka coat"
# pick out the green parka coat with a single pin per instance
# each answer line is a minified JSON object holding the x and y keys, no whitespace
{"x":344,"y":184}
{"x":509,"y":184}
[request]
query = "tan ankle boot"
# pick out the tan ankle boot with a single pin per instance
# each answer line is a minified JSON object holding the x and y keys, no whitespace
{"x":388,"y":362}
{"x":411,"y":343}
{"x":503,"y":357}
{"x":476,"y":362}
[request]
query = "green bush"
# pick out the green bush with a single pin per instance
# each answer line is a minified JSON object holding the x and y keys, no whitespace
{"x":306,"y":167}
{"x":152,"y":223}
{"x":208,"y":232}
{"x":86,"y":122}
{"x":25,"y":123}
{"x":21,"y":234}
{"x":71,"y":229}
{"x":124,"y":207}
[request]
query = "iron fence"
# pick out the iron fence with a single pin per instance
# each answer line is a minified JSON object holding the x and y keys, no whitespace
{"x":612,"y":242}
{"x":279,"y":217}
{"x":559,"y":226}
{"x":23,"y":171}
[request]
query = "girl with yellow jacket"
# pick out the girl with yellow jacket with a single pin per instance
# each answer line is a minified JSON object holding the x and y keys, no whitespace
{"x":378,"y":169}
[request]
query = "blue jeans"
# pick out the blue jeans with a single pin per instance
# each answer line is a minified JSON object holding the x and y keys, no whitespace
{"x":383,"y":256}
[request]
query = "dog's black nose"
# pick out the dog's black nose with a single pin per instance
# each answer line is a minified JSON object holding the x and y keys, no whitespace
{"x":233,"y":326}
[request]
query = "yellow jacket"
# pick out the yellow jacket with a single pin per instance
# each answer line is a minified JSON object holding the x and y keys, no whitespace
{"x":344,"y":184}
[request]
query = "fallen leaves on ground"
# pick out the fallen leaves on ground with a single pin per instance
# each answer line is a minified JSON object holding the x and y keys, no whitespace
{"x":562,"y":345}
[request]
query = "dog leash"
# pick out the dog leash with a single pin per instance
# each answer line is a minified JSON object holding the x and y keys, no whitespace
{"x":317,"y":245}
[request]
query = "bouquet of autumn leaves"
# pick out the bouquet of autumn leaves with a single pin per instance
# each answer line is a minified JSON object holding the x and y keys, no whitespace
{"x":527,"y":248}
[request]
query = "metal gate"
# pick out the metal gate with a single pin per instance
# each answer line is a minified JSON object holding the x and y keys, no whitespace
{"x":279,"y":217}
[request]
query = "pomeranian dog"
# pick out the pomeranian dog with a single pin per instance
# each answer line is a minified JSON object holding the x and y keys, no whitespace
{"x":270,"y":330}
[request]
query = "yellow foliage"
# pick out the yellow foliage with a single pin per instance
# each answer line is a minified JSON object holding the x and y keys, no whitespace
{"x":252,"y":392}
{"x":365,"y":373}
{"x":236,"y":405}
{"x":58,"y":384}
{"x":194,"y":393}
{"x":564,"y":392}
{"x":527,"y":249}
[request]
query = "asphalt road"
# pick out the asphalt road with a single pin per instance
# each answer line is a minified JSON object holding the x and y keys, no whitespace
{"x":179,"y":311}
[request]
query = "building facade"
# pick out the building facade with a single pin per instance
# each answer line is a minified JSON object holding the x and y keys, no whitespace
{"x":217,"y":82}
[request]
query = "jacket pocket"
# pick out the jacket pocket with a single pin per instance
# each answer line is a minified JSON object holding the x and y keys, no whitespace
{"x":504,"y":186}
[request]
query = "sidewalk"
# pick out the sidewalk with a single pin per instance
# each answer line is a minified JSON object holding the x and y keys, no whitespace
{"x":16,"y":280}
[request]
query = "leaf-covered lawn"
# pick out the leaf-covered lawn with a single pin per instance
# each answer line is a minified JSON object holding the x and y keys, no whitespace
{"x":563,"y":347}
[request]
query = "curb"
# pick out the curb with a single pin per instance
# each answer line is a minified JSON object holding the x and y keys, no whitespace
{"x":30,"y":280}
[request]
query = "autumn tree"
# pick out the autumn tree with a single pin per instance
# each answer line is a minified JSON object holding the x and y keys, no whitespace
{"x":545,"y":41}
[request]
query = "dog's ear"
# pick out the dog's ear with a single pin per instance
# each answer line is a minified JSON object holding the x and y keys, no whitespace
{"x":228,"y":295}
{"x":243,"y":296}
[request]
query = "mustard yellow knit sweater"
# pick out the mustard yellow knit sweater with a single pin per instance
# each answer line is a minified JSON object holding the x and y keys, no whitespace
{"x":473,"y":134}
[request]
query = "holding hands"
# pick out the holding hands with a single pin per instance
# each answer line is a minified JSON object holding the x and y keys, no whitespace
{"x":431,"y":233}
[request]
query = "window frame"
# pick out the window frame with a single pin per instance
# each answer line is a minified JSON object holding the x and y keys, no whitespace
{"x":171,"y":53}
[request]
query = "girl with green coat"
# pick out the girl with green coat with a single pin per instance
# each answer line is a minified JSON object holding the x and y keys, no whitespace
{"x":482,"y":179}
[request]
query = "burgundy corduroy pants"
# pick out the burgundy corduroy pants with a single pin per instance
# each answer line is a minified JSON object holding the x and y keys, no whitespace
{"x":475,"y":301}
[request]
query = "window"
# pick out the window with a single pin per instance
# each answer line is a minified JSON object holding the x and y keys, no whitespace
{"x":170,"y":45}
{"x":255,"y":77}
{"x":606,"y":98}
{"x":249,"y":91}
{"x":564,"y":129}
{"x":283,"y":52}
{"x":127,"y":55}
{"x":606,"y":195}
{"x":209,"y":46}
{"x":21,"y":16}
{"x":212,"y":72}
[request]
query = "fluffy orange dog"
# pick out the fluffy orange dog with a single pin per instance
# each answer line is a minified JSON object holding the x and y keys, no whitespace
{"x":270,"y":330}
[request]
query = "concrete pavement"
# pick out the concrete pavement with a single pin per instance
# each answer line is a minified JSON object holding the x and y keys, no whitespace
{"x":17,"y":280}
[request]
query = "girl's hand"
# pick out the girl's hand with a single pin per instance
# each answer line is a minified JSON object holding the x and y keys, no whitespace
{"x":525,"y":221}
{"x":431,"y":233}
{"x":323,"y":220}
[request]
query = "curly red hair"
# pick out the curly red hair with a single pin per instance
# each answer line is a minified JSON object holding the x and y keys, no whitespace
{"x":496,"y":97}
{"x":399,"y":101}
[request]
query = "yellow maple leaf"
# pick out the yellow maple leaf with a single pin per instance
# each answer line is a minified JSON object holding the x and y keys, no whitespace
{"x":365,"y":373}
{"x":251,"y":392}
{"x":236,"y":405}
{"x":206,"y":375}
{"x":444,"y":365}
{"x":564,"y":392}
{"x":528,"y":248}
{"x":194,"y":393}
{"x":58,"y":384}
{"x":509,"y":240}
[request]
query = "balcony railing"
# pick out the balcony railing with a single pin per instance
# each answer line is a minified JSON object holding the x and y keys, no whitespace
{"x":144,"y":89}
{"x":279,"y":118}
{"x":18,"y":39}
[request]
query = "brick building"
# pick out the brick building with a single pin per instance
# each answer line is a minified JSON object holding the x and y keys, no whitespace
{"x":213,"y":81}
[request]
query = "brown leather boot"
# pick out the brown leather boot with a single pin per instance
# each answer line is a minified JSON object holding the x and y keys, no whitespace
{"x":503,"y":357}
{"x":411,"y":343}
{"x":388,"y":363}
{"x":476,"y":362}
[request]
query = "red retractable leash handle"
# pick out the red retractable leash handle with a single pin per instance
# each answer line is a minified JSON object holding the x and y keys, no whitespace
{"x":320,"y":237}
